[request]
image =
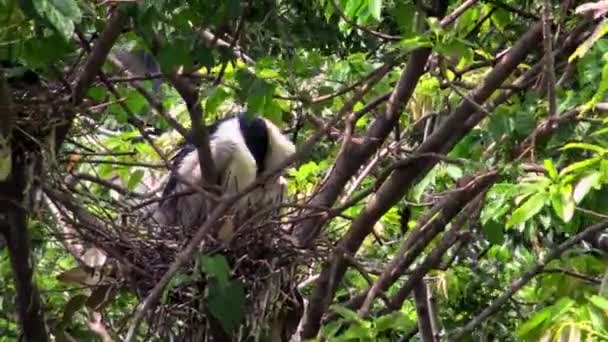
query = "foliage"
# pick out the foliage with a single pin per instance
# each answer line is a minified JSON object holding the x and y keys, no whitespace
{"x":307,"y":55}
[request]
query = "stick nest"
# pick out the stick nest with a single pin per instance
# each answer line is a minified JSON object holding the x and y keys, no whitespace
{"x":260,"y":257}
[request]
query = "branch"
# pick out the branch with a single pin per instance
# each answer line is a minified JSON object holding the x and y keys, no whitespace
{"x":549,"y":58}
{"x":450,"y":18}
{"x":525,"y":278}
{"x":213,"y":40}
{"x":200,"y":136}
{"x":16,"y":176}
{"x":432,"y":224}
{"x":352,"y":156}
{"x":400,"y":181}
{"x":99,"y":54}
{"x":424,"y":309}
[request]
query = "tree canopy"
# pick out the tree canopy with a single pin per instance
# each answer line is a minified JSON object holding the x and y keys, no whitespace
{"x":449,"y":183}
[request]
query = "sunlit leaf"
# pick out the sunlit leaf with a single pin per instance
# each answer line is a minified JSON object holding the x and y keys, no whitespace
{"x":375,"y":8}
{"x":581,"y":165}
{"x":585,"y":185}
{"x":585,"y":146}
{"x":550,"y":167}
{"x":528,"y":209}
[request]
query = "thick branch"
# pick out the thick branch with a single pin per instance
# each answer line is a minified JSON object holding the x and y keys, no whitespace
{"x":425,"y":312}
{"x":99,"y":54}
{"x":442,"y":141}
{"x":17,"y":175}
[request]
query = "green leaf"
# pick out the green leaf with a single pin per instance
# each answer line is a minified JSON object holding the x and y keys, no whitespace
{"x":584,"y":164}
{"x":68,"y":8}
{"x":135,"y":179}
{"x":375,"y":8}
{"x":6,"y":159}
{"x":226,"y":303}
{"x":409,"y":44}
{"x":71,"y":307}
{"x":53,"y":17}
{"x":600,"y":302}
{"x":215,"y":267}
{"x":585,"y":146}
{"x":584,"y":185}
{"x":597,"y":320}
{"x":216,"y":97}
{"x":550,"y":167}
{"x":346,"y":313}
{"x":404,"y":18}
{"x":494,"y":232}
{"x":599,"y":32}
{"x":534,"y":322}
{"x":527,"y":210}
{"x":391,"y":321}
{"x":561,"y":200}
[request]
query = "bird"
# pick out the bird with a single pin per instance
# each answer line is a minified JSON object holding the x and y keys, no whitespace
{"x":242,"y":146}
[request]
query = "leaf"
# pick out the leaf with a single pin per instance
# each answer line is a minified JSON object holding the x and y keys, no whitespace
{"x":391,"y":321}
{"x":534,"y":322}
{"x":226,"y":303}
{"x":597,"y":34}
{"x":51,"y":16}
{"x":582,"y":188}
{"x":494,"y":232}
{"x":375,"y":8}
{"x":69,"y":9}
{"x":584,"y":164}
{"x":561,"y":200}
{"x":585,"y":146}
{"x":135,"y":179}
{"x":550,"y":167}
{"x":600,"y":302}
{"x":6,"y":159}
{"x":215,"y":267}
{"x":403,"y":17}
{"x":527,"y":210}
{"x":597,"y":320}
{"x":346,"y":313}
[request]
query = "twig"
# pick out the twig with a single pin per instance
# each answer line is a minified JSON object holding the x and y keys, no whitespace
{"x":573,"y":275}
{"x":549,"y":58}
{"x":450,"y":18}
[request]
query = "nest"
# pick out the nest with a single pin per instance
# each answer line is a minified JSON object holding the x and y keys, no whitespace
{"x":260,"y":256}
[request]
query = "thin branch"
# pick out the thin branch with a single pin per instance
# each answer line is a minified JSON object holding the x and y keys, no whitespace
{"x":549,"y":58}
{"x":450,"y":18}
